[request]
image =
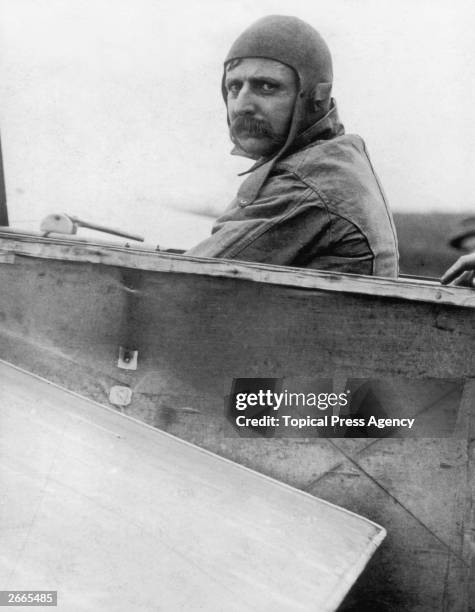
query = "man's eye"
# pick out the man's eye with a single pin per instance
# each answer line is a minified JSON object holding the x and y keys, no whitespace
{"x":268,"y":87}
{"x":233,"y":88}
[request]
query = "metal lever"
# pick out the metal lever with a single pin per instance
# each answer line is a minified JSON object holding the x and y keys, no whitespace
{"x":65,"y":224}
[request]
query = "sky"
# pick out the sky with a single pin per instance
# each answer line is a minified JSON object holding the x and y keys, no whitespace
{"x":111,"y":109}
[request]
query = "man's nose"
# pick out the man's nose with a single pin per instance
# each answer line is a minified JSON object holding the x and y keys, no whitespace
{"x":244,"y":103}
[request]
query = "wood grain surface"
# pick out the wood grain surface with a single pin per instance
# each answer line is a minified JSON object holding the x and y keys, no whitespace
{"x":115,"y":515}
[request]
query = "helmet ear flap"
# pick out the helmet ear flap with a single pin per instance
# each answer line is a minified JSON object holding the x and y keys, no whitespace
{"x":322,"y":92}
{"x":319,"y":101}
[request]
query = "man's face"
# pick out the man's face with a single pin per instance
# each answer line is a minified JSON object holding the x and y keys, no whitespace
{"x":260,"y":100}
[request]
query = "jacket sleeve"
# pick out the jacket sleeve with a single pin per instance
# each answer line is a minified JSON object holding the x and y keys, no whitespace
{"x":284,"y":221}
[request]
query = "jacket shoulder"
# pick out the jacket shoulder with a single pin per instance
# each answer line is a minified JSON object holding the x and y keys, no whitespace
{"x":326,"y":163}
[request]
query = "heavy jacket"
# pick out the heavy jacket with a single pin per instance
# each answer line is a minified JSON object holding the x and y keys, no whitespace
{"x":321,"y":207}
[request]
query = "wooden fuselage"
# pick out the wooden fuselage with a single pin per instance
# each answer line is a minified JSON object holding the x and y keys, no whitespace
{"x":69,"y":309}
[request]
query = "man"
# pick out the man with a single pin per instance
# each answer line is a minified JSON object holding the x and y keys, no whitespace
{"x":312,"y":198}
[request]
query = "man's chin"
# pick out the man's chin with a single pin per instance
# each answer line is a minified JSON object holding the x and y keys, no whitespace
{"x":255,"y":148}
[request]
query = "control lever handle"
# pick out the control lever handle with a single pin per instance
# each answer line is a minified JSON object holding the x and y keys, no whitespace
{"x":66,"y":224}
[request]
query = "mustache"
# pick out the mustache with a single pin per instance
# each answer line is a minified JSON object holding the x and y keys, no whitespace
{"x":254,"y":128}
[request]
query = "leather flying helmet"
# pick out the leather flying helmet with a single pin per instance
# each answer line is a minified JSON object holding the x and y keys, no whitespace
{"x":297,"y":44}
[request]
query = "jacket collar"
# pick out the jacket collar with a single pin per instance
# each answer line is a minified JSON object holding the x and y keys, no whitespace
{"x":327,"y":127}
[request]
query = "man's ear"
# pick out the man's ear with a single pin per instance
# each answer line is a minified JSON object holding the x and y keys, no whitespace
{"x":321,"y":95}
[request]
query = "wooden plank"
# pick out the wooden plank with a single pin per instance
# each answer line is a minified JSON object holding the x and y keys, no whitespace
{"x":143,"y":259}
{"x":81,"y":313}
{"x":115,"y":515}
